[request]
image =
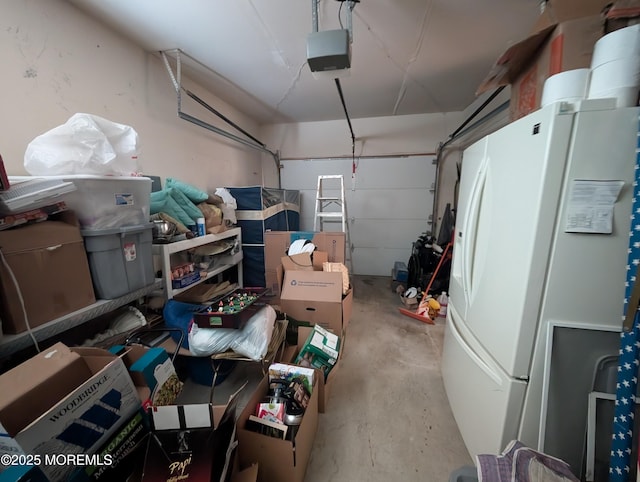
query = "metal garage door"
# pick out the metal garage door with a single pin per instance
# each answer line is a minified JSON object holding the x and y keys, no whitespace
{"x":388,"y":204}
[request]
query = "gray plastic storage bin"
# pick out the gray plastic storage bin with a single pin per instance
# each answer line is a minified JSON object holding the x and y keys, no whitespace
{"x":464,"y":474}
{"x":120,"y":259}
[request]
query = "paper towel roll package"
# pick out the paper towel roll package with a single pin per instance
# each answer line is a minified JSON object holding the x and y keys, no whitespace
{"x":618,"y":78}
{"x":568,"y":86}
{"x":619,"y":44}
{"x":625,"y":96}
{"x":614,"y":74}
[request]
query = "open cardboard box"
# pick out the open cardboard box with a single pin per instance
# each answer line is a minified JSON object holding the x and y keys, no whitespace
{"x":193,"y":442}
{"x":563,"y":38}
{"x":46,"y":401}
{"x":276,"y":245}
{"x":152,"y":373}
{"x":316,"y":297}
{"x":278,"y":460}
{"x":324,"y":386}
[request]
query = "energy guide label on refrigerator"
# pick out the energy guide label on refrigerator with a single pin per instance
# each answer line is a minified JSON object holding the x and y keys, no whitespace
{"x":590,"y":206}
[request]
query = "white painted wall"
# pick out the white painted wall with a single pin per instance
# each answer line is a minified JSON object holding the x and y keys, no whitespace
{"x":56,"y":61}
{"x":379,"y":136}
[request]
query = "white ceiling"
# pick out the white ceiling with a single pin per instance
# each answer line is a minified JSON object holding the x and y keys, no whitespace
{"x":408,"y":56}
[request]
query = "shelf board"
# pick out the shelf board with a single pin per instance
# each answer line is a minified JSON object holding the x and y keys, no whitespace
{"x":10,"y":344}
{"x":187,"y":244}
{"x":229,"y":263}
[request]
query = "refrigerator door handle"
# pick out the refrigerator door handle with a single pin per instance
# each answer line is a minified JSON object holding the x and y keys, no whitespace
{"x":483,"y":362}
{"x":471,"y":227}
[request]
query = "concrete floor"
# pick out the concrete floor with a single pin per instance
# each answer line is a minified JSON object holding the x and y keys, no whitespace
{"x":388,"y":417}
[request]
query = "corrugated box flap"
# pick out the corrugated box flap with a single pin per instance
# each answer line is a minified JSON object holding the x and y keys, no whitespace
{"x":556,"y":11}
{"x":36,"y":385}
{"x":513,"y":61}
{"x":63,"y":230}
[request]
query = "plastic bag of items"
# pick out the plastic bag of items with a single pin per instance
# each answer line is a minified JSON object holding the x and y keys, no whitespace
{"x":251,"y":341}
{"x":85,"y":144}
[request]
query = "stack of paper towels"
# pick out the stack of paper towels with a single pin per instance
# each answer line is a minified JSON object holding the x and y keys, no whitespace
{"x":614,"y":72}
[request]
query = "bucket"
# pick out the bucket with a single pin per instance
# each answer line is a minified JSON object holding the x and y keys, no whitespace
{"x":200,"y":370}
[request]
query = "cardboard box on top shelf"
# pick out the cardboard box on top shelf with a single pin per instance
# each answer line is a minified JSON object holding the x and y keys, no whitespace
{"x":563,"y":38}
{"x":64,"y":401}
{"x":50,"y":264}
{"x":278,"y":460}
{"x":622,"y":13}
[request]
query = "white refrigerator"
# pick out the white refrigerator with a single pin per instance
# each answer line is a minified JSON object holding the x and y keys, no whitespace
{"x":533,"y":246}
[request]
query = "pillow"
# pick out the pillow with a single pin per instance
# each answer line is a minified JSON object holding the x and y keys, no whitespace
{"x":194,"y":194}
{"x":187,"y":206}
{"x":212,"y":214}
{"x":162,"y":202}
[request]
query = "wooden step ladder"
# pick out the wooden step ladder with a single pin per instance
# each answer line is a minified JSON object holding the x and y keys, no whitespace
{"x":337,"y":212}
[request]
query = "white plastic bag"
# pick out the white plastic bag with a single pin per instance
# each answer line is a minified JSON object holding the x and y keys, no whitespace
{"x":85,"y":144}
{"x":251,"y":341}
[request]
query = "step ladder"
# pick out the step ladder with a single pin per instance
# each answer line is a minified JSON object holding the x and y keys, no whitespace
{"x":333,"y":210}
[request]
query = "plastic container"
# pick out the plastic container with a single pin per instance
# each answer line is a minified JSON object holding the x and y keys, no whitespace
{"x":201,"y":227}
{"x":106,"y":202}
{"x":120,"y":259}
{"x":443,"y":299}
{"x":464,"y":474}
{"x":200,"y":370}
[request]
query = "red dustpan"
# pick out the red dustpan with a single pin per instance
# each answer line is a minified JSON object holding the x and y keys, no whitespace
{"x":422,"y":312}
{"x":414,"y":314}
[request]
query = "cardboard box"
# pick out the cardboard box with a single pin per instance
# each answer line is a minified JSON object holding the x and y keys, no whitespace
{"x":276,"y":245}
{"x":316,"y":297}
{"x":324,"y":384}
{"x":191,"y":442}
{"x":152,"y":373}
{"x":320,"y":350}
{"x":250,"y":474}
{"x":409,"y":302}
{"x":562,"y":39}
{"x":125,"y":449}
{"x":622,"y":13}
{"x":50,"y":264}
{"x":64,"y":401}
{"x":569,"y":46}
{"x":278,"y":460}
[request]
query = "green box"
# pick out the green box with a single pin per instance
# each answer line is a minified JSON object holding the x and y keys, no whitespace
{"x":320,"y":350}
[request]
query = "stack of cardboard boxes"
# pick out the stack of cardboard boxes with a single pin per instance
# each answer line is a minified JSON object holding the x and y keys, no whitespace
{"x":83,"y":414}
{"x":320,"y":303}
